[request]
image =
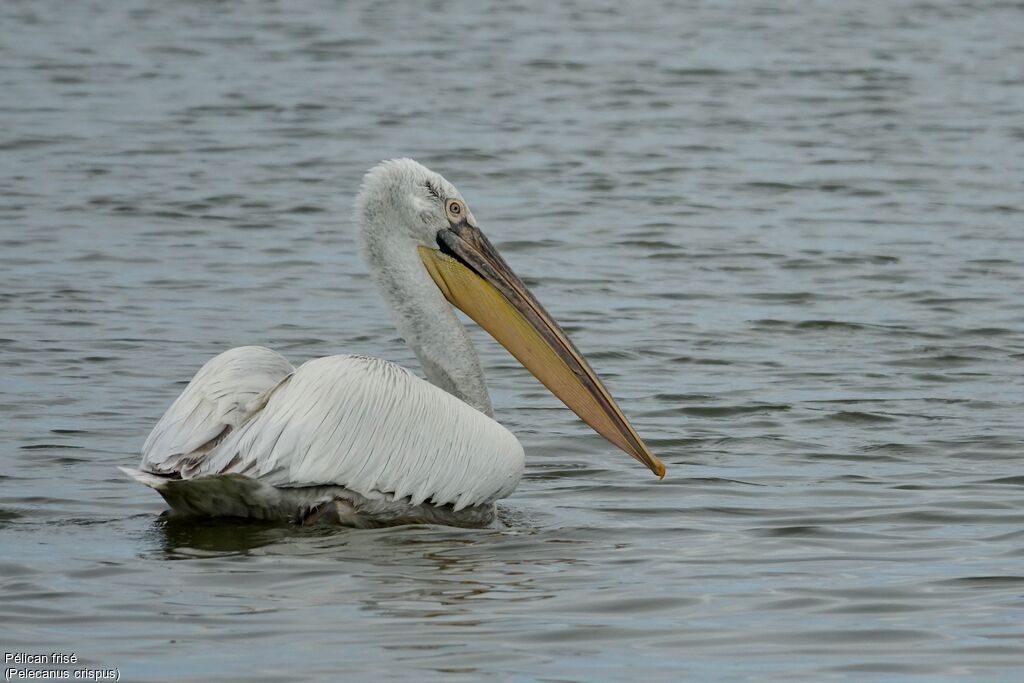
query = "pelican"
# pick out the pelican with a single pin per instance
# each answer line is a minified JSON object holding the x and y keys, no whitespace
{"x":360,"y":441}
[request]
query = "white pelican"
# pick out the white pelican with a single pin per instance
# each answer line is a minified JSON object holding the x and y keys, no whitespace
{"x":361,"y":441}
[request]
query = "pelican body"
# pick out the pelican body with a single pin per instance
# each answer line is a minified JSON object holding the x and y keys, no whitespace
{"x":360,"y":441}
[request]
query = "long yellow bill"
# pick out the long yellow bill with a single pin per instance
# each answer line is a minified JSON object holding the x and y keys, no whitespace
{"x":474,"y":278}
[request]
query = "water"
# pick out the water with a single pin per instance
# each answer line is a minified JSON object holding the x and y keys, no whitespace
{"x":788,"y":234}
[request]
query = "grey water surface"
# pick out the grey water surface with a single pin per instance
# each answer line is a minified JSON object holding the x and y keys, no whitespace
{"x":790,"y":235}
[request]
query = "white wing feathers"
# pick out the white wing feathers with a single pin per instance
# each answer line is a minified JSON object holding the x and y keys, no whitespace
{"x":225,"y":392}
{"x":365,"y":424}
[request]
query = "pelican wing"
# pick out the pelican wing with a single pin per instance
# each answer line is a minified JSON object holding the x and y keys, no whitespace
{"x":374,"y":428}
{"x":226,"y":392}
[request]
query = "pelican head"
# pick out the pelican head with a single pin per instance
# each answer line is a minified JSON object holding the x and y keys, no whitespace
{"x":423,"y":242}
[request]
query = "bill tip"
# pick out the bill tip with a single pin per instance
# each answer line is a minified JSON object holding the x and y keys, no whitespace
{"x":659,"y":469}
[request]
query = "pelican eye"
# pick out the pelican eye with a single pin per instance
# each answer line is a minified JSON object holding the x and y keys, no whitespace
{"x":456,"y":210}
